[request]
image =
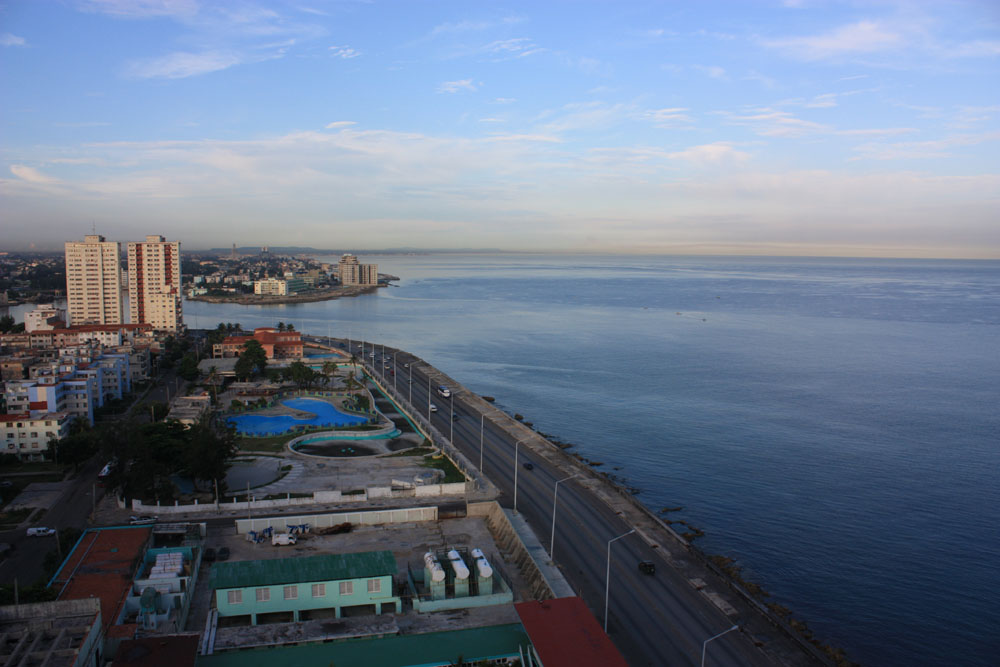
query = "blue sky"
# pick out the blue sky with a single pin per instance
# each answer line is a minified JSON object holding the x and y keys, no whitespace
{"x":797,"y":127}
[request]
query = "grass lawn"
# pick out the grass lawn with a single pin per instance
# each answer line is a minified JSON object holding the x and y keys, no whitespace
{"x":451,"y":473}
{"x":275,"y":444}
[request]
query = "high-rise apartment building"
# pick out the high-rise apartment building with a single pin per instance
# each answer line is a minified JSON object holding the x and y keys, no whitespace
{"x":154,"y":283}
{"x":351,"y":272}
{"x":94,"y":281}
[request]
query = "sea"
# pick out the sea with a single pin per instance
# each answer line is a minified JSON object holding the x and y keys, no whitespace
{"x":833,"y":425}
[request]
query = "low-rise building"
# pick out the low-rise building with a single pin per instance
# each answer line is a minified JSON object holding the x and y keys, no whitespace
{"x":28,"y":437}
{"x":189,"y":409}
{"x":294,"y":589}
{"x":277,"y":344}
{"x":270,"y":287}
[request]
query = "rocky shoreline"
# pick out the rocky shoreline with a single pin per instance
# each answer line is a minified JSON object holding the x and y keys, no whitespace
{"x":317,"y":295}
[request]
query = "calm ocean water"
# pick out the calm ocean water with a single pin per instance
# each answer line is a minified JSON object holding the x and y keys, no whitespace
{"x":832,"y":424}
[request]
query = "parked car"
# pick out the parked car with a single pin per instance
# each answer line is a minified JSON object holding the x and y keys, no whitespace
{"x":528,"y":465}
{"x":647,"y":567}
{"x":141,"y":520}
{"x":223,"y":554}
{"x":209,"y":556}
{"x":282,"y":538}
{"x":41,"y":531}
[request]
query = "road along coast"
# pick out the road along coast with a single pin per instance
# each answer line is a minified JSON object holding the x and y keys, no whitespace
{"x":602,"y":530}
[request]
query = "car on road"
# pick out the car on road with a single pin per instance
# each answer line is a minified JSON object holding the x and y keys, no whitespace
{"x":454,"y":417}
{"x":223,"y":554}
{"x":647,"y":567}
{"x":6,"y":484}
{"x":406,"y":365}
{"x":444,"y":391}
{"x":41,"y":531}
{"x":433,"y":408}
{"x":371,"y":354}
{"x":528,"y":465}
{"x":141,"y":520}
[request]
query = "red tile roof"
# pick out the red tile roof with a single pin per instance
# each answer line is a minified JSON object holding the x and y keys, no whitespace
{"x":566,"y":634}
{"x":20,"y":416}
{"x":101,"y":566}
{"x":160,"y":651}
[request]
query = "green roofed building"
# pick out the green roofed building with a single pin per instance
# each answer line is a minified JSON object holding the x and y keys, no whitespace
{"x":297,"y":589}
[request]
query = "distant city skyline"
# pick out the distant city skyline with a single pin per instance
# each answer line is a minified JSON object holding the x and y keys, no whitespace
{"x":793,"y":127}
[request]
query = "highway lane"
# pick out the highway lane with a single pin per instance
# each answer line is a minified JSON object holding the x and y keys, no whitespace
{"x":654,"y":620}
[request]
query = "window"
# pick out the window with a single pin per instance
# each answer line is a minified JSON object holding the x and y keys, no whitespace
{"x":263,"y":594}
{"x":291,"y":592}
{"x":234,"y":597}
{"x":374,"y":585}
{"x":319,"y":590}
{"x":347,"y":588}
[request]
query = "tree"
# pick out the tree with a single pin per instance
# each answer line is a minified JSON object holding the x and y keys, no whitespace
{"x":329,"y":369}
{"x":207,"y":452}
{"x":188,"y":368}
{"x":252,"y":361}
{"x":6,"y":324}
{"x":82,"y":442}
{"x":290,"y":327}
{"x":300,"y":374}
{"x":281,"y":326}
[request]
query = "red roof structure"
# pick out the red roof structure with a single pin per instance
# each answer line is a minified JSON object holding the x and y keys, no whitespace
{"x":101,"y":566}
{"x":565,"y":634}
{"x":159,"y":651}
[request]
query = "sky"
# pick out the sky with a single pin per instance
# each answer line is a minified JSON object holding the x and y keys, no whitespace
{"x":753,"y":127}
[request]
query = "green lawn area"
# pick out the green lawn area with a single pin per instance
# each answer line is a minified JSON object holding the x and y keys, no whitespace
{"x":274,"y":444}
{"x":451,"y":473}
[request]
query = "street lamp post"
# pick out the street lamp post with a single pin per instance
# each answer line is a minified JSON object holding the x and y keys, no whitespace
{"x":607,"y":576}
{"x":704,"y":646}
{"x":451,"y":418}
{"x":428,"y":399}
{"x":409,"y":380}
{"x":555,"y":498}
{"x":516,"y":445}
{"x":394,"y":371}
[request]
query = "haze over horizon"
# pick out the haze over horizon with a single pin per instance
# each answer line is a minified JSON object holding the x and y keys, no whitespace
{"x":793,"y":127}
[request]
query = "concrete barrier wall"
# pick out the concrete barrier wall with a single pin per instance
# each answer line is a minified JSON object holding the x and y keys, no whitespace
{"x":509,"y":541}
{"x":317,"y":498}
{"x":368,"y":518}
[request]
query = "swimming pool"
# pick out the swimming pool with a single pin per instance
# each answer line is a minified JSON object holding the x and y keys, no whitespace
{"x":324,"y":415}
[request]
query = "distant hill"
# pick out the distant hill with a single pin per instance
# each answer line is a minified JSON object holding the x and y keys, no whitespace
{"x":303,"y":250}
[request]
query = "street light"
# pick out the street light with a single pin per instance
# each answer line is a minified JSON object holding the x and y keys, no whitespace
{"x":555,"y":497}
{"x":516,"y":445}
{"x":704,"y":646}
{"x":394,"y":371}
{"x":428,"y":399}
{"x":607,"y":576}
{"x":451,"y":427}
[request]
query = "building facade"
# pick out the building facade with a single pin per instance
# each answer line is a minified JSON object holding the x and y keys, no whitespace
{"x":154,"y":283}
{"x":94,"y":281}
{"x":301,"y":588}
{"x":352,"y":272}
{"x":28,"y":437}
{"x":276,"y":344}
{"x":270,"y":287}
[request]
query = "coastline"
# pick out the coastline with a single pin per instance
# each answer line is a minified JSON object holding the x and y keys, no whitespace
{"x":318,"y":295}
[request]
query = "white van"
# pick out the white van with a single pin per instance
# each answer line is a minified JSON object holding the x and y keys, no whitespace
{"x":41,"y":531}
{"x":282,"y":538}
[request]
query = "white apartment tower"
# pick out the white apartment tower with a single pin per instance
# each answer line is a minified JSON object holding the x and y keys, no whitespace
{"x":154,"y":283}
{"x":94,"y":281}
{"x":351,"y":272}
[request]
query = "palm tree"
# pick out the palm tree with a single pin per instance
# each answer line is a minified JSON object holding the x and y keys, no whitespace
{"x":281,"y":326}
{"x":329,"y":369}
{"x":213,"y":379}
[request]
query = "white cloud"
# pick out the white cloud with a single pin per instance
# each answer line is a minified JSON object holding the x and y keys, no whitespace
{"x":344,"y":52}
{"x":713,"y":71}
{"x":856,"y":38}
{"x":30,"y":174}
{"x":142,"y":8}
{"x":181,"y":64}
{"x":714,"y":153}
{"x":913,"y":150}
{"x":670,"y":117}
{"x":456,"y":86}
{"x":339,"y":124}
{"x":8,"y":39}
{"x":772,"y":123}
{"x":504,"y":100}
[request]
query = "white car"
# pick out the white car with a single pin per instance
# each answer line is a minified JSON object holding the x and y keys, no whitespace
{"x":41,"y":531}
{"x":444,"y":391}
{"x":433,"y":408}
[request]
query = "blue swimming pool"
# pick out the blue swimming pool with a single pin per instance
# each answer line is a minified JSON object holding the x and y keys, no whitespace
{"x":324,"y":415}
